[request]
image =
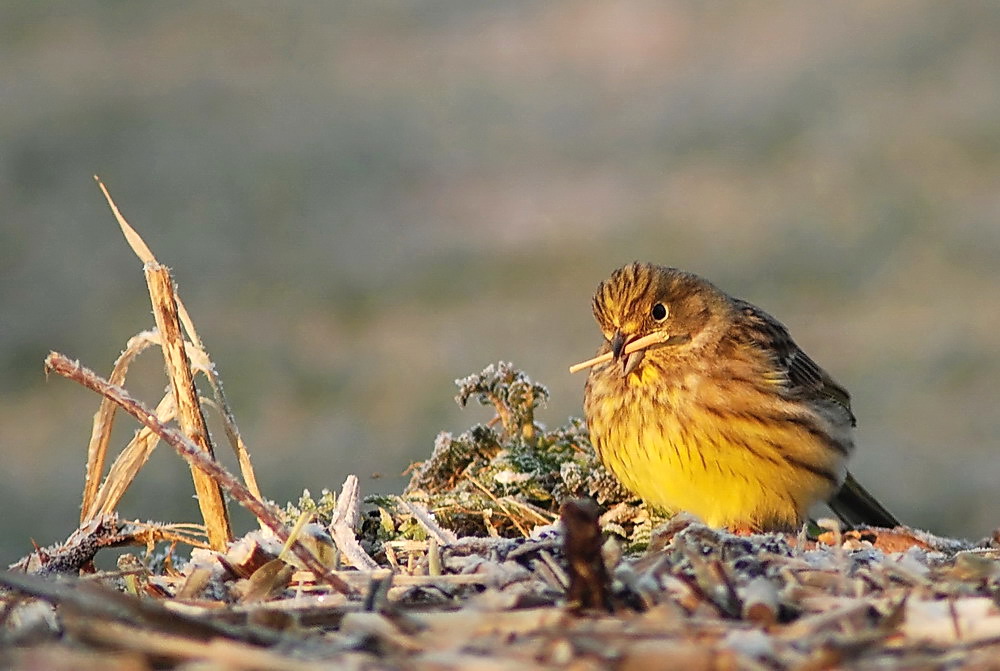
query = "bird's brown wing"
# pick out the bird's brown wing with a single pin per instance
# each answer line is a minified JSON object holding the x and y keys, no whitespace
{"x":803,"y":376}
{"x":852,"y":503}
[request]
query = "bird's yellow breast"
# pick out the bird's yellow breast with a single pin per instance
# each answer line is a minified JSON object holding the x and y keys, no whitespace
{"x":685,"y":444}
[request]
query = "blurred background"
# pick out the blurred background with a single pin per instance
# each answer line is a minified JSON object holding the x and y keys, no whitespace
{"x":363,"y":201}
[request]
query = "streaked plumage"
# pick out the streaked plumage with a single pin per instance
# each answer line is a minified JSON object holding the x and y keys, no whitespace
{"x":725,"y":417}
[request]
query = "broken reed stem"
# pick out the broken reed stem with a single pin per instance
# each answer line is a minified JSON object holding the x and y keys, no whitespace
{"x":189,"y":414}
{"x":141,"y":250}
{"x":74,"y":370}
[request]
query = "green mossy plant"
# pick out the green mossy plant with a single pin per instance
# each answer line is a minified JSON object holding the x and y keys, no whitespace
{"x":509,"y":475}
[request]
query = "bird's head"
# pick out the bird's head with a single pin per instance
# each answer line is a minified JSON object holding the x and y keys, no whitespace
{"x":643,"y":308}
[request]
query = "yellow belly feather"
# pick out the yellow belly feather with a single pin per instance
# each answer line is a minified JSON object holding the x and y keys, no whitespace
{"x":726,"y":470}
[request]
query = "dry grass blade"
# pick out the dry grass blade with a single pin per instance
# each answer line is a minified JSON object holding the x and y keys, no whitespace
{"x":515,"y":519}
{"x":268,"y":581}
{"x":294,"y":534}
{"x":201,"y":362}
{"x":131,"y":460}
{"x":135,"y":242}
{"x":188,"y":533}
{"x":62,"y":365}
{"x":233,"y":433}
{"x":100,"y":435}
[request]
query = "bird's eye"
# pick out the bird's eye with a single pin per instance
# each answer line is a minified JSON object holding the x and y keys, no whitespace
{"x":659,"y":312}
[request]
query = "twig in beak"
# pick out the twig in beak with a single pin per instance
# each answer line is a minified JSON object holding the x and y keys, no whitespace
{"x":655,"y":338}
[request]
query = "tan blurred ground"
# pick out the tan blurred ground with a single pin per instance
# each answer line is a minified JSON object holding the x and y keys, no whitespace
{"x":363,"y":202}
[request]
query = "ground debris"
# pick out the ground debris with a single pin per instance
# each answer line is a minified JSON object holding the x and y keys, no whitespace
{"x":702,"y":596}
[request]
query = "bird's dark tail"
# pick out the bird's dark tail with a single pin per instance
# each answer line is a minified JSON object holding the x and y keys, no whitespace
{"x":854,"y":505}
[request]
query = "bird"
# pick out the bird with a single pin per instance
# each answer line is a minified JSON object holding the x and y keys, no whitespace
{"x":702,"y":403}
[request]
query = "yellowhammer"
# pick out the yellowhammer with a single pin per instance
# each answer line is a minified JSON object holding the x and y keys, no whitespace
{"x":701,"y":402}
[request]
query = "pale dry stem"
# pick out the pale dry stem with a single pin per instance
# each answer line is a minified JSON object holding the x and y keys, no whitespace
{"x":656,"y":338}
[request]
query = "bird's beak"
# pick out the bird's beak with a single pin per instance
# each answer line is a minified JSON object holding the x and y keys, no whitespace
{"x":617,"y":344}
{"x":628,"y":361}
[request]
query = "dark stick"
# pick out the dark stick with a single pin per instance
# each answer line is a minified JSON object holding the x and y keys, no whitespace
{"x":589,"y":583}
